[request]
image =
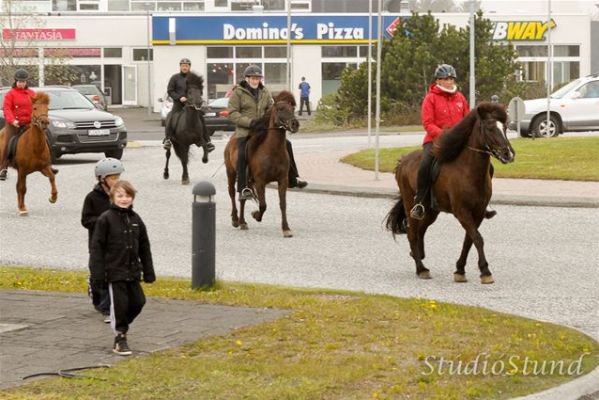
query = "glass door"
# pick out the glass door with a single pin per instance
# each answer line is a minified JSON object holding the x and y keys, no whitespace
{"x":130,"y":85}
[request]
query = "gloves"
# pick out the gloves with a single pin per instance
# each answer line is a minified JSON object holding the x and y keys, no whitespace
{"x":149,"y":278}
{"x":257,"y":124}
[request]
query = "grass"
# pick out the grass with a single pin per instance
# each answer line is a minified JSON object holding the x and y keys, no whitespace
{"x":566,"y":158}
{"x":333,"y":345}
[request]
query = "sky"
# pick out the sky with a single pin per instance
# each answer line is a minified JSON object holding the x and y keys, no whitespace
{"x":541,"y":6}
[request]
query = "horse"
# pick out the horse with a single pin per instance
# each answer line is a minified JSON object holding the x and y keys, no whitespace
{"x":268,"y":160}
{"x":463,"y":187}
{"x":190,"y":127}
{"x":32,"y":152}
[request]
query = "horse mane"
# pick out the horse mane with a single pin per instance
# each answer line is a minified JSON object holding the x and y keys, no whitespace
{"x":260,"y":134}
{"x":41,"y":98}
{"x":287,"y":97}
{"x":194,"y":80}
{"x":451,"y":142}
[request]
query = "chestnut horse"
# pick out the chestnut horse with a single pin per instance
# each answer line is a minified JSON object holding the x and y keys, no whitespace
{"x":268,"y":160}
{"x":190,"y":128}
{"x":33,"y":152}
{"x":463,"y":187}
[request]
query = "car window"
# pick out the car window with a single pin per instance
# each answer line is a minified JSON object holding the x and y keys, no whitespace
{"x":590,"y":90}
{"x":222,"y":102}
{"x":68,"y":99}
{"x":87,"y":89}
{"x":561,"y":92}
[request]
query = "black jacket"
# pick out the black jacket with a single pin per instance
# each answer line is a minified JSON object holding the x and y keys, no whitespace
{"x":120,"y":249}
{"x":177,"y":86}
{"x":95,"y":203}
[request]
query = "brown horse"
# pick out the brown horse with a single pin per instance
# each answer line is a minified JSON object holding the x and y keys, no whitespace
{"x":463,"y":187}
{"x":33,"y":152}
{"x":268,"y":160}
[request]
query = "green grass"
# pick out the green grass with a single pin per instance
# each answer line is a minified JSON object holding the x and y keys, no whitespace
{"x":333,"y":345}
{"x":567,"y":158}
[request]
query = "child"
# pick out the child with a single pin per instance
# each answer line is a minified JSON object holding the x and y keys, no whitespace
{"x":107,"y":172}
{"x":120,"y":252}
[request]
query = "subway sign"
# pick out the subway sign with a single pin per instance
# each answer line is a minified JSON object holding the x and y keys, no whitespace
{"x":522,"y":30}
{"x":267,"y":29}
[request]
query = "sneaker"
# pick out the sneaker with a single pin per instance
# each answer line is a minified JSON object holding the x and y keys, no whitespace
{"x":210,"y":147}
{"x":107,"y":319}
{"x":417,"y":212}
{"x":166,"y":144}
{"x":490,"y":214}
{"x":120,"y":345}
{"x":3,"y":174}
{"x":54,"y":171}
{"x":246,"y":194}
{"x":301,"y":184}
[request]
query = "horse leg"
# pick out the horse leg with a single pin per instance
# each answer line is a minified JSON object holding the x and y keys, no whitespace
{"x":471,"y":227}
{"x":231,"y":178}
{"x":460,"y":274}
{"x":242,"y":224}
{"x":165,"y":174}
{"x":260,"y":191}
{"x":21,"y":190}
{"x":415,"y":237}
{"x":183,"y":154}
{"x":47,"y":172}
{"x":283,"y":205}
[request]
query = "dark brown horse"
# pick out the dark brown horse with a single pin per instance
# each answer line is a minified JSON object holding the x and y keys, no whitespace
{"x":463,"y":187}
{"x":268,"y":160}
{"x":189,"y":127}
{"x":33,"y":152}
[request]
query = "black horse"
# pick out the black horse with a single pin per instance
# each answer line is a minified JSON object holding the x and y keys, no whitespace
{"x":189,"y":127}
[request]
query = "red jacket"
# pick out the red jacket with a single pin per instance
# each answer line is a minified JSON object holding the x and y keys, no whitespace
{"x":441,"y":110}
{"x":18,"y":106}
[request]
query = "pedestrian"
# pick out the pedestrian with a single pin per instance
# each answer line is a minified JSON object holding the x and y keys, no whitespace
{"x":247,"y":106}
{"x":121,"y":256}
{"x":443,"y":107}
{"x":107,"y":172}
{"x":17,"y":114}
{"x":177,"y":90}
{"x":304,"y":88}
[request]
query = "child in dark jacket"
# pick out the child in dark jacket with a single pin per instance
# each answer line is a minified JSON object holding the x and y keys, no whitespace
{"x":120,"y":253}
{"x":107,"y":172}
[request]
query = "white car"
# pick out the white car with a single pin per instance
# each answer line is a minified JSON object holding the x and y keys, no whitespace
{"x":165,"y":107}
{"x":574,"y":107}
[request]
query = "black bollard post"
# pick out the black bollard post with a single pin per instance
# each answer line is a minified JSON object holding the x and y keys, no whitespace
{"x":203,"y":235}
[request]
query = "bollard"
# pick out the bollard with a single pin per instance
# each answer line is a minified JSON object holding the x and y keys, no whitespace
{"x":495,"y":99}
{"x":203,"y":235}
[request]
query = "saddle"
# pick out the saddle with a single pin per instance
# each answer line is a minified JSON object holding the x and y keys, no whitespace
{"x":172,"y":120}
{"x":12,"y":143}
{"x":435,"y":171}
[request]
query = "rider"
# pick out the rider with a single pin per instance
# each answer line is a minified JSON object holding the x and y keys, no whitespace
{"x":443,"y":107}
{"x":17,"y":113}
{"x":247,"y":105}
{"x":177,"y":89}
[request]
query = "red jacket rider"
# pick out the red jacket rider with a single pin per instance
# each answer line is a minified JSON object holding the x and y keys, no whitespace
{"x":441,"y":110}
{"x":18,"y":106}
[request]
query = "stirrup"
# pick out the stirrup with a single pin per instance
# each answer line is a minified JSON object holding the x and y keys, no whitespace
{"x":246,"y":194}
{"x":3,"y":174}
{"x":417,"y":212}
{"x":166,"y":144}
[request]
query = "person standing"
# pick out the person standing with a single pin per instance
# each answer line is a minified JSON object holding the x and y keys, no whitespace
{"x":121,"y":256}
{"x":304,"y":88}
{"x":107,"y":172}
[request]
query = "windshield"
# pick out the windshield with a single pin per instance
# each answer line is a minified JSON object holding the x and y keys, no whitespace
{"x":87,"y":89}
{"x":561,"y":92}
{"x":222,"y":102}
{"x":68,"y":100}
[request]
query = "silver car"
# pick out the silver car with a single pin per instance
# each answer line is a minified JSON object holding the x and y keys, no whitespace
{"x":574,"y":107}
{"x":165,"y":107}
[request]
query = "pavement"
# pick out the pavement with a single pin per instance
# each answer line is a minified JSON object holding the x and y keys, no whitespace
{"x":47,"y":332}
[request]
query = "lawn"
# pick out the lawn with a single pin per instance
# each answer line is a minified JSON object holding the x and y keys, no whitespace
{"x":567,"y":158}
{"x":333,"y":345}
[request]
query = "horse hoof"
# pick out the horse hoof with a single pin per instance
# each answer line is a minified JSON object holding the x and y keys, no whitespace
{"x":185,"y":181}
{"x":23,"y":213}
{"x":235,"y":224}
{"x":460,"y":278}
{"x":205,"y":160}
{"x":243,"y":227}
{"x":487,"y":279}
{"x":165,"y":175}
{"x":425,"y":275}
{"x":287,"y":234}
{"x":257,"y":216}
{"x":52,"y":200}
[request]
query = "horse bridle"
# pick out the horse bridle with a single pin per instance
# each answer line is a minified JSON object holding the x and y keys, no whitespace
{"x":486,"y":149}
{"x":282,"y":124}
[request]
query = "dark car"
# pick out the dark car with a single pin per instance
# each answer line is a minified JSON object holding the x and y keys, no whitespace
{"x":77,"y":126}
{"x":217,"y":116}
{"x":93,"y":93}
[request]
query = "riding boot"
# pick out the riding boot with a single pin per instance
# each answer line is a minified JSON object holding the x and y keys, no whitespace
{"x":168,"y":131}
{"x":423,"y":182}
{"x":294,"y":180}
{"x":209,"y":145}
{"x":9,"y":132}
{"x":245,"y":193}
{"x":488,"y":212}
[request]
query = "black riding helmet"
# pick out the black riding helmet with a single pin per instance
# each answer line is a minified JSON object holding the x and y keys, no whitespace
{"x":185,"y":61}
{"x":21,"y":75}
{"x":253,"y":70}
{"x":445,"y":71}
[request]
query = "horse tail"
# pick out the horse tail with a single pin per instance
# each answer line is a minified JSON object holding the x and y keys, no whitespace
{"x":396,"y":219}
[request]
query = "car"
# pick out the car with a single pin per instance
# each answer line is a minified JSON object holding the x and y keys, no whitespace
{"x":216,"y":116}
{"x":573,"y":107}
{"x":93,"y":93}
{"x":166,"y":105}
{"x":77,"y":126}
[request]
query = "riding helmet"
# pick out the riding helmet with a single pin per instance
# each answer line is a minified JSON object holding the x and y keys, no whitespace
{"x":253,"y":70}
{"x":445,"y":71}
{"x":21,"y":75}
{"x":108,"y":166}
{"x":185,"y":61}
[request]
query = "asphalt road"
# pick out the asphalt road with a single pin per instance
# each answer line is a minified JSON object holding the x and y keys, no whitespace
{"x":544,"y":259}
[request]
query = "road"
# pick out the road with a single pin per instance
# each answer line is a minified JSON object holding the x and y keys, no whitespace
{"x":544,"y":259}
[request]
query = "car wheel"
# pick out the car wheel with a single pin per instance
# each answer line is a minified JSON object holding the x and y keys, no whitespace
{"x":118,"y":154}
{"x":55,"y":156}
{"x":540,"y":127}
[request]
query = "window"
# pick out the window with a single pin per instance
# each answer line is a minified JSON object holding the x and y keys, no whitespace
{"x":64,"y":5}
{"x":331,"y":76}
{"x":243,"y":5}
{"x":196,"y":6}
{"x":248,"y":52}
{"x":143,"y":6}
{"x":169,"y":6}
{"x":72,"y":74}
{"x":339,"y":51}
{"x":532,"y":51}
{"x":275,"y":77}
{"x":220,"y":79}
{"x":115,"y":52}
{"x":89,"y":5}
{"x":565,"y":71}
{"x":533,"y":71}
{"x":275,"y":52}
{"x":142,"y":54}
{"x":566,"y":51}
{"x":118,"y":5}
{"x":221,"y":3}
{"x":274,"y":5}
{"x":220,"y":52}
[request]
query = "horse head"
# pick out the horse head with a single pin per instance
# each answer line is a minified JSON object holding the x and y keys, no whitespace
{"x":39,"y":116}
{"x":195,"y":90}
{"x":284,"y":112}
{"x":493,"y":126}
